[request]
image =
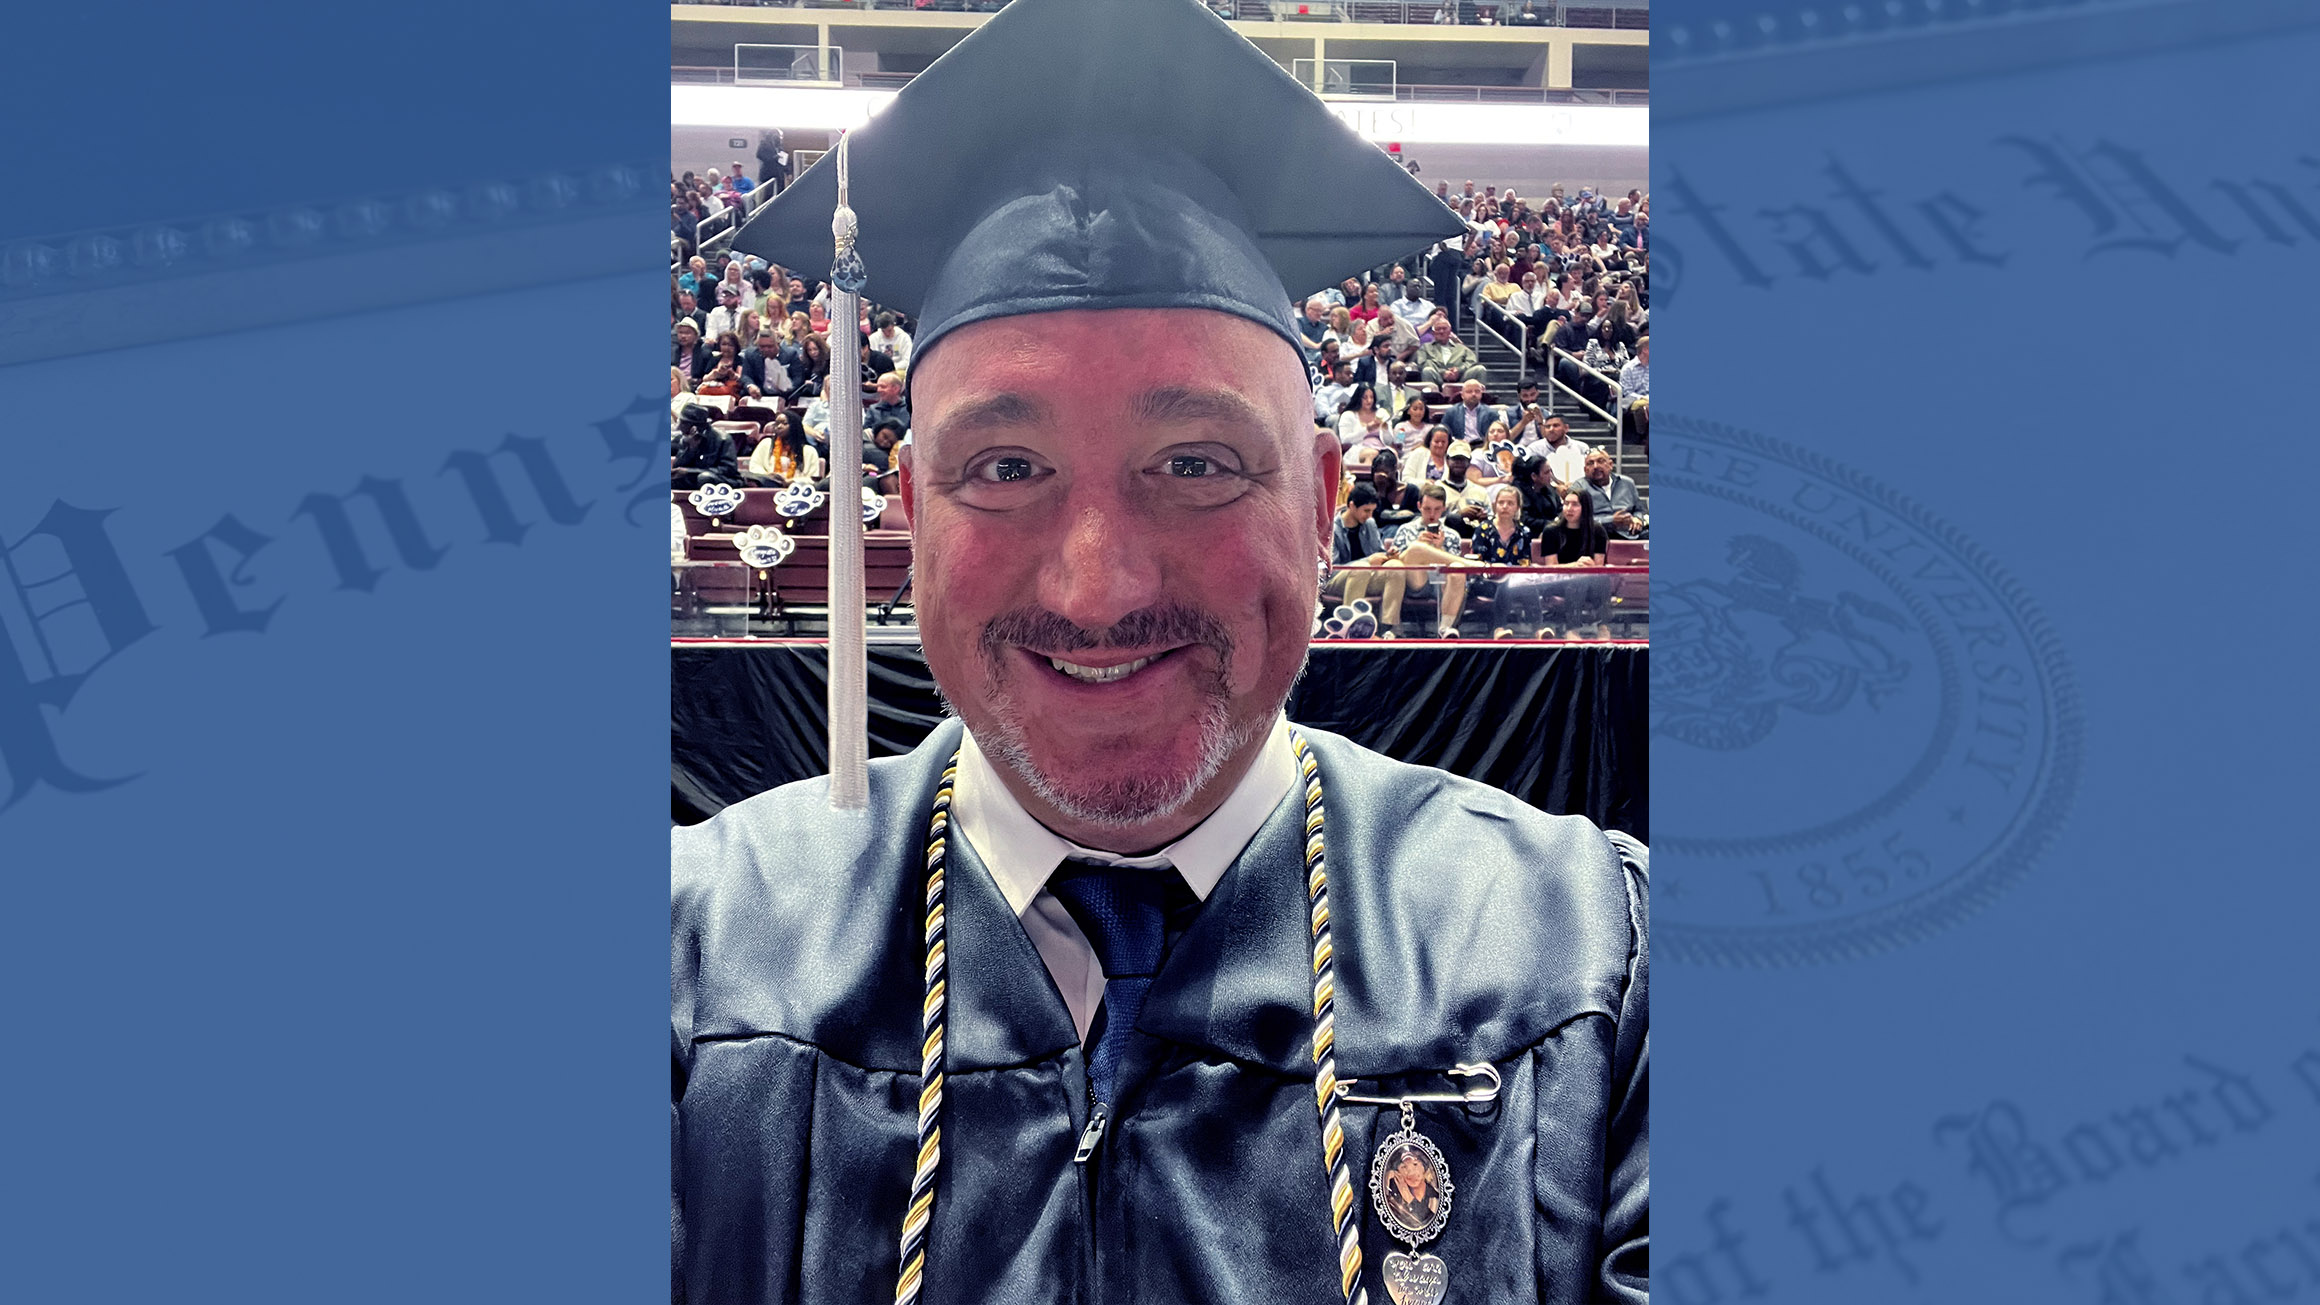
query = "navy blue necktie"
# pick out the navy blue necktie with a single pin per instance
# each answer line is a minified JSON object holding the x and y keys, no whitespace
{"x":1124,"y":913}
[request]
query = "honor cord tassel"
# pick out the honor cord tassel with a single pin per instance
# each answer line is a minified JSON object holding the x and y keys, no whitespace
{"x":849,"y":704}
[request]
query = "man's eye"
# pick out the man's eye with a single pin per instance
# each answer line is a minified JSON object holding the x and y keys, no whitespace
{"x":1007,"y":469}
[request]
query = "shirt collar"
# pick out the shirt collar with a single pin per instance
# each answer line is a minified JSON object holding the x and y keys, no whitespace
{"x":1021,"y":853}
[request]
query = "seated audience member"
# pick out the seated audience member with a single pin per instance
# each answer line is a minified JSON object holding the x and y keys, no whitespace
{"x":1470,"y":419}
{"x":1525,"y":300}
{"x":1331,"y":391}
{"x":680,"y":396}
{"x":1313,"y":324}
{"x":1370,"y":305}
{"x":1377,"y":354}
{"x":1542,"y":498}
{"x":1429,"y":459}
{"x":724,"y":376}
{"x":1501,"y":286}
{"x":890,"y":339}
{"x":766,"y":366}
{"x":1410,"y":432}
{"x":1358,"y":553}
{"x":1635,"y":393}
{"x":1503,"y":540}
{"x":726,"y":316}
{"x":1496,"y":463}
{"x":813,"y":367}
{"x":1575,"y":540}
{"x":1448,"y":359}
{"x":1612,"y":498}
{"x":1430,"y":538}
{"x":1362,"y":423}
{"x":1397,"y":501}
{"x":782,"y":455}
{"x":703,"y":453}
{"x":891,"y":406}
{"x":1567,"y":456}
{"x":1394,"y":396}
{"x":689,"y":310}
{"x":1341,"y":330}
{"x":1415,"y":307}
{"x":878,"y":469}
{"x":690,"y":355}
{"x":1469,"y":498}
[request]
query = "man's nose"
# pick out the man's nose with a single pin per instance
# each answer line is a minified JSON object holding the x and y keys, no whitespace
{"x":1106,"y":560}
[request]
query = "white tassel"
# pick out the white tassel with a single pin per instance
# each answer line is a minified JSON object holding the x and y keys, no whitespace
{"x":849,"y":702}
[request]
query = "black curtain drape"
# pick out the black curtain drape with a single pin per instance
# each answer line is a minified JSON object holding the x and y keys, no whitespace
{"x":1562,"y":728}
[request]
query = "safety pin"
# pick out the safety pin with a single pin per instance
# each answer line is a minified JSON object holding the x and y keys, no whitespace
{"x":1473,"y":1096}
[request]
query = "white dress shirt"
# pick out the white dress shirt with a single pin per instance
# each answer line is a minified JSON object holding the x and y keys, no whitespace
{"x":1021,"y":854}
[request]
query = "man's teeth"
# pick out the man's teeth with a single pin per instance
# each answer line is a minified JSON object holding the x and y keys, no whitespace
{"x":1099,"y":674}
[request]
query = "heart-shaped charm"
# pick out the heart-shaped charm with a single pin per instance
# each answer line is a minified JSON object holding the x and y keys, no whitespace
{"x":1416,"y":1279}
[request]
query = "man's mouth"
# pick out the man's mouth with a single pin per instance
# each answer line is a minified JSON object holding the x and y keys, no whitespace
{"x":1111,"y":674}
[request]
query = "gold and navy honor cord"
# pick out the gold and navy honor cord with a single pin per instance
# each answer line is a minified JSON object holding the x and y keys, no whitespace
{"x":1343,"y":1216}
{"x":921,"y":1208}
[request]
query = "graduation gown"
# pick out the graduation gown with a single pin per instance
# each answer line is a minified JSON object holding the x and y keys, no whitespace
{"x":1467,"y":925}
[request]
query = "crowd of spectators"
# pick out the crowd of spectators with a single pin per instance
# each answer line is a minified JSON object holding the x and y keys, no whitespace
{"x":1445,"y":465}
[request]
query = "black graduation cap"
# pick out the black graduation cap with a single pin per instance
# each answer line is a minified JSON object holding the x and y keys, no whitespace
{"x":1104,"y":154}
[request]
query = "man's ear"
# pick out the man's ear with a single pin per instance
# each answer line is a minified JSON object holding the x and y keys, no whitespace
{"x":901,"y":455}
{"x":1329,"y":459}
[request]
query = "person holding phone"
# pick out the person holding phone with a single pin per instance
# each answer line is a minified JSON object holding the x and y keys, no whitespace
{"x":1430,"y":540}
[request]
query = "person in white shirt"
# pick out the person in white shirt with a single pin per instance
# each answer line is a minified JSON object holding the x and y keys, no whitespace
{"x":726,"y":316}
{"x":1415,"y":305}
{"x":1524,"y":302}
{"x":890,"y":339}
{"x":1566,"y":457}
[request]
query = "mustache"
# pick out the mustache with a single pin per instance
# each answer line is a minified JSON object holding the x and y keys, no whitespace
{"x":1161,"y":623}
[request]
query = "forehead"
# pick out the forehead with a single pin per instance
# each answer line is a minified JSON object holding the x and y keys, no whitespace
{"x":1098,"y":361}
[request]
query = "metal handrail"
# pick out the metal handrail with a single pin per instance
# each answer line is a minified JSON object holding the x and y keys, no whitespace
{"x":1554,"y":382}
{"x":1407,"y":92}
{"x":1581,"y":364}
{"x":1522,"y":351}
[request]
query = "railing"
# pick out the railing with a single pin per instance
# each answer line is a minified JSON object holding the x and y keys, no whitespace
{"x":755,"y":65}
{"x":1522,"y":332}
{"x":694,"y":74}
{"x":715,"y":234}
{"x":1369,"y":79}
{"x":1554,"y":383}
{"x":1615,"y":14}
{"x":1543,"y":600}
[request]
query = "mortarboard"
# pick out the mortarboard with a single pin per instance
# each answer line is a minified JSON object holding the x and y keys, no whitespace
{"x":1104,"y":154}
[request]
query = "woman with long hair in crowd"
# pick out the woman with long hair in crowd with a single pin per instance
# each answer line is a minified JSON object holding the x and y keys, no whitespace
{"x":1576,"y":539}
{"x":1416,"y":417}
{"x":1362,"y":425}
{"x":1431,"y":462}
{"x":782,"y":455}
{"x":1368,"y":309}
{"x":815,"y":365}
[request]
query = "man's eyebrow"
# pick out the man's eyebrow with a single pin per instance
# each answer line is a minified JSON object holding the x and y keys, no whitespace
{"x":1179,"y":403}
{"x":1003,"y":410}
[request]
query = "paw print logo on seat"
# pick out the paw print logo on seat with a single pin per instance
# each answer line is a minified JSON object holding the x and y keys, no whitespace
{"x":873,"y":506}
{"x":764,"y":546}
{"x":1351,"y":621}
{"x":714,"y":500}
{"x":798,"y":498}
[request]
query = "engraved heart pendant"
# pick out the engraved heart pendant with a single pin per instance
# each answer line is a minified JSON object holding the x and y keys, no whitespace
{"x":1416,"y":1279}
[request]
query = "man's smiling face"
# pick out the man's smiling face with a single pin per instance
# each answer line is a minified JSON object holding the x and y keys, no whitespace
{"x":1139,"y":495}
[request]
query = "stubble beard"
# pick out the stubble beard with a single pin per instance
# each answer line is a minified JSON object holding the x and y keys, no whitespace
{"x":1141,"y":798}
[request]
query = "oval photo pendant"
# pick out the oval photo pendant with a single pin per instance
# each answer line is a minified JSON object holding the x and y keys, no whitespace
{"x":1409,"y":1184}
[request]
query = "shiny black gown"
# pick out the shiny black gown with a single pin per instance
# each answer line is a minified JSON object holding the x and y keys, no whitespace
{"x":1468,"y":926}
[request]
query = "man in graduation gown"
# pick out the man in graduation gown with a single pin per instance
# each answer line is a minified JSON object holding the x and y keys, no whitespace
{"x":1118,"y":503}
